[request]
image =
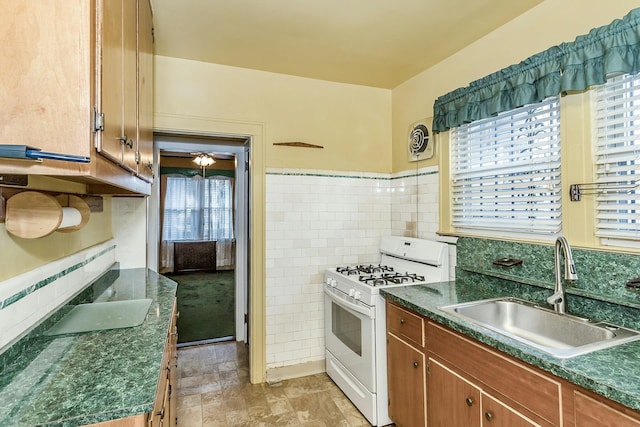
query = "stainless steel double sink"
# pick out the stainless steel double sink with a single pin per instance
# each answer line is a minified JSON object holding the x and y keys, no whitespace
{"x":560,"y":335}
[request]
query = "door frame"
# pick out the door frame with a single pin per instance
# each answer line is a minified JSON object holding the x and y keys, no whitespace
{"x":241,"y":149}
{"x":254,"y":133}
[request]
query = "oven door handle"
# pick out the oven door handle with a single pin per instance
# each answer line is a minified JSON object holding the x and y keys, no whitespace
{"x":367,"y":311}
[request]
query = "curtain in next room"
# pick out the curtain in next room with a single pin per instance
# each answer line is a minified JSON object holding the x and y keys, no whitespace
{"x":196,"y":208}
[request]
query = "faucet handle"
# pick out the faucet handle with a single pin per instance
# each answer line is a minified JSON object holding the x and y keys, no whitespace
{"x":555,"y":298}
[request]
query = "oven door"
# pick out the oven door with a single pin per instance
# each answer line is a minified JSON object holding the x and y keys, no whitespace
{"x":350,"y":334}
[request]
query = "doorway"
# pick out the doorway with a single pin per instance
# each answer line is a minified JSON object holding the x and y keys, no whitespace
{"x":204,"y":244}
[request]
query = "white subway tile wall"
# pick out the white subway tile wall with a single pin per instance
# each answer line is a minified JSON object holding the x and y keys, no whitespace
{"x":321,"y":219}
{"x":28,"y":298}
{"x":315,"y":220}
{"x":129,"y":224}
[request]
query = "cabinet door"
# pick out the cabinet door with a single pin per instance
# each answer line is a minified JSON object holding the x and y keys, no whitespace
{"x":591,"y":413}
{"x":453,"y":401}
{"x":496,"y":414}
{"x":173,"y":368}
{"x":145,"y":91}
{"x":110,"y":75}
{"x":45,"y":83}
{"x":130,"y":83}
{"x":406,"y":373}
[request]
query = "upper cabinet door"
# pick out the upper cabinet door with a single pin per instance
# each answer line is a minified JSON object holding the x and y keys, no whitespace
{"x":130,"y":84}
{"x":45,"y":83}
{"x":145,"y":90}
{"x":110,"y":72}
{"x":117,"y":76}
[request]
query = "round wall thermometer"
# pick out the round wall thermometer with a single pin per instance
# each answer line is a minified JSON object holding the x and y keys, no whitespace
{"x":419,"y":142}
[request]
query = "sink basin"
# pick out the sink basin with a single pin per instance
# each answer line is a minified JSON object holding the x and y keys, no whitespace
{"x":560,"y":335}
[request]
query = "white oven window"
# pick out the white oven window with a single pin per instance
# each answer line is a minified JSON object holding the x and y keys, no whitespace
{"x":347,"y":328}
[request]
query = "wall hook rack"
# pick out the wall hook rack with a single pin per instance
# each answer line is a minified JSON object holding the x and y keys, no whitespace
{"x":576,"y":191}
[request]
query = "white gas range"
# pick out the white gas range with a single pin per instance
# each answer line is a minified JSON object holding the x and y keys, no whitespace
{"x":355,"y":321}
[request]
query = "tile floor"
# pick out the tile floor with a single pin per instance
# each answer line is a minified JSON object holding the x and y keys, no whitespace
{"x":214,"y":391}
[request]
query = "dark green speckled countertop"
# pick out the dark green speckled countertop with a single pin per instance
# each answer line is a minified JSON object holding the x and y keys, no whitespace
{"x":78,"y":379}
{"x":613,"y":373}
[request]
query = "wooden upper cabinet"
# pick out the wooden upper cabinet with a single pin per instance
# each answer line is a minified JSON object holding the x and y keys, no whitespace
{"x":63,"y":61}
{"x":111,"y":68}
{"x":145,"y":91}
{"x":118,"y":82}
{"x":46,"y":80}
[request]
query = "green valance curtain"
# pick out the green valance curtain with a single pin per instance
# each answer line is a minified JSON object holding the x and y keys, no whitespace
{"x":589,"y":60}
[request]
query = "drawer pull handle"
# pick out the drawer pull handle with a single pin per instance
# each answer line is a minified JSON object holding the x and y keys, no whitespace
{"x":402,"y":321}
{"x":416,"y":364}
{"x":488,"y":415}
{"x":469,"y":401}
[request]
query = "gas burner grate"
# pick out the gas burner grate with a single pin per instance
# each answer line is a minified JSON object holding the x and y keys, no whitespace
{"x":374,"y":269}
{"x":390,"y":279}
{"x":357,"y":270}
{"x":348,"y":271}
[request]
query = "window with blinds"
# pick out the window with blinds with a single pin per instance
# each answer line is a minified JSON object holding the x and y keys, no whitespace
{"x":506,"y":172}
{"x":617,"y":158}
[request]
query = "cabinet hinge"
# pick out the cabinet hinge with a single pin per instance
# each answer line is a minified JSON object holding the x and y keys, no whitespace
{"x":98,"y":120}
{"x":153,"y":35}
{"x":137,"y":157}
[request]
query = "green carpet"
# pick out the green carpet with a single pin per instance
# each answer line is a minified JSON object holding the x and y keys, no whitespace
{"x":206,"y":303}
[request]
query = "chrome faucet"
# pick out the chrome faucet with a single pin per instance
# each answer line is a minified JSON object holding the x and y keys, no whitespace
{"x":558,"y":297}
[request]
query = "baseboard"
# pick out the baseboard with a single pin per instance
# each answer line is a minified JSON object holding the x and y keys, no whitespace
{"x":281,"y":373}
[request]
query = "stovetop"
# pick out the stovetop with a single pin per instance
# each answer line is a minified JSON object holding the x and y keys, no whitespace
{"x":403,"y":261}
{"x":379,"y":274}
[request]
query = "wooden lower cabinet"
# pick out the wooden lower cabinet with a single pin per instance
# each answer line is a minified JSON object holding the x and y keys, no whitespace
{"x":468,"y":384}
{"x":406,"y":382}
{"x":590,"y":412}
{"x":453,"y":401}
{"x":136,"y":421}
{"x":496,"y":413}
{"x":406,"y":367}
{"x":456,"y":402}
{"x":164,"y":410}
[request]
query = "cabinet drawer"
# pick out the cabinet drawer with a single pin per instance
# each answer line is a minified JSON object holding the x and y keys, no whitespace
{"x":405,"y":324}
{"x":523,"y":384}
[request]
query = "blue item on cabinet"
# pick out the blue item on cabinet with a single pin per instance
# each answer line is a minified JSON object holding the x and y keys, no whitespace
{"x":26,"y":152}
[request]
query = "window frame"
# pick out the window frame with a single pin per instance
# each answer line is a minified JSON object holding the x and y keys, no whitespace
{"x":485,"y":228}
{"x":606,"y":196}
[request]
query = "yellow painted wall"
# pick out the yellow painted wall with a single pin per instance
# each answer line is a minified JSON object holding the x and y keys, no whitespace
{"x":22,"y":255}
{"x":548,"y":24}
{"x":352,"y":123}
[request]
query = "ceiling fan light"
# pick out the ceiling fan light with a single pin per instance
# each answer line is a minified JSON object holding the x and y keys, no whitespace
{"x":204,"y":160}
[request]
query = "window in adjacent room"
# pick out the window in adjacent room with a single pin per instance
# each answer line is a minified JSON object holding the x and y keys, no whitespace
{"x":198,"y":209}
{"x":617,"y":158}
{"x":506,"y":172}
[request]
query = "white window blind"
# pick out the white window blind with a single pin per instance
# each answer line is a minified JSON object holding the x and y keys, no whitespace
{"x":617,"y":156}
{"x":506,"y":171}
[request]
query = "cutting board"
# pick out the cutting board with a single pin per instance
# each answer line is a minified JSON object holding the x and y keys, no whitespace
{"x":99,"y":316}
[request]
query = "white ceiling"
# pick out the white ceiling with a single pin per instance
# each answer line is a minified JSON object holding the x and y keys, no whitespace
{"x":379,"y":43}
